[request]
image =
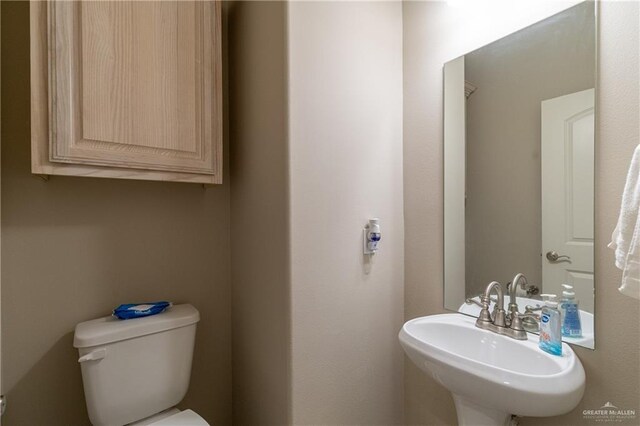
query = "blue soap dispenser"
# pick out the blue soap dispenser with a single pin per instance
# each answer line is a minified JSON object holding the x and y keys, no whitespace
{"x":550,"y":326}
{"x":571,"y":326}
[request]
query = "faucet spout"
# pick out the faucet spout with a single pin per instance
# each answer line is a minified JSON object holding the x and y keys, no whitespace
{"x":520,"y":280}
{"x":498,"y":315}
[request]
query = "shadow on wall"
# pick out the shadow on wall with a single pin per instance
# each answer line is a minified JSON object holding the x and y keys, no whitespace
{"x":54,"y":381}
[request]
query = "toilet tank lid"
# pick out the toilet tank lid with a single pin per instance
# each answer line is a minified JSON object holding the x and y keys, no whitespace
{"x":111,"y":329}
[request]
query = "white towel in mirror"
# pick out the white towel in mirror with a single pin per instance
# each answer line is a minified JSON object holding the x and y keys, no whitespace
{"x":626,"y":237}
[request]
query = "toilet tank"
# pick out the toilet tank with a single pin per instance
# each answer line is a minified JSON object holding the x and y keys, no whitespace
{"x":132,"y":369}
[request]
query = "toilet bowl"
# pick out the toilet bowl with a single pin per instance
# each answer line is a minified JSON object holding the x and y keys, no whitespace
{"x":135,"y":372}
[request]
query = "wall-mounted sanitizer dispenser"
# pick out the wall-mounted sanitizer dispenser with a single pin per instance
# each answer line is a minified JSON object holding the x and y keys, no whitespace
{"x":372,"y":237}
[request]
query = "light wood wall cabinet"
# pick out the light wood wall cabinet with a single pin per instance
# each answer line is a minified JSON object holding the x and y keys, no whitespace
{"x":127,"y":89}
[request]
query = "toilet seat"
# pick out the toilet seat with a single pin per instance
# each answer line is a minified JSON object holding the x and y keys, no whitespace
{"x":172,"y":417}
{"x":183,"y":418}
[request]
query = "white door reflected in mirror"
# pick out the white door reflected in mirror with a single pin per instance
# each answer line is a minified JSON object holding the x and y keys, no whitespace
{"x":568,"y":187}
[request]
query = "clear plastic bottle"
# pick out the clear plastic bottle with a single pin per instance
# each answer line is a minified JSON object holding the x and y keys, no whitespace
{"x":571,"y":325}
{"x":550,"y":326}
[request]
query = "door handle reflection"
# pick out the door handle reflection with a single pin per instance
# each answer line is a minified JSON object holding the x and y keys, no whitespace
{"x":553,"y":256}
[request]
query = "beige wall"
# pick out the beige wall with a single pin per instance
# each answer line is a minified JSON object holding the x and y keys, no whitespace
{"x":316,"y":151}
{"x":514,"y":75}
{"x":345,"y":130}
{"x":435,"y":33}
{"x":259,"y":213}
{"x":73,"y":248}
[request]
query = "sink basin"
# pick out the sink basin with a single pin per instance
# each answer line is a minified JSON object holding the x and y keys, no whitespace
{"x":586,"y":318}
{"x":491,"y":376}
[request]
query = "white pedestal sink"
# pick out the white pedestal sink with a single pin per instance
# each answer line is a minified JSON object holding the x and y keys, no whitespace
{"x":491,"y":376}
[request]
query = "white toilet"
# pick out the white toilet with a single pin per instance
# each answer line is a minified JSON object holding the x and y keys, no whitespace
{"x":135,"y":371}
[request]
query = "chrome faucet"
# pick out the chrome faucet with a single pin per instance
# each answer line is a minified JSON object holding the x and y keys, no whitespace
{"x":497,"y":321}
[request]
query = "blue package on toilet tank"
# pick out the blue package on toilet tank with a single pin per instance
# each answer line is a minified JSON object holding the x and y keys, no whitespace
{"x":138,"y":310}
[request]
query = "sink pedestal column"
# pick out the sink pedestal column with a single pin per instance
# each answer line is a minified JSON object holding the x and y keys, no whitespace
{"x":472,"y":414}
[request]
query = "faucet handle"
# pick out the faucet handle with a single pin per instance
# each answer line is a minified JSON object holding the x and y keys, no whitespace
{"x":529,"y":310}
{"x":484,"y":316}
{"x":530,"y":321}
{"x":536,"y":317}
{"x":516,"y":319}
{"x":517,"y":327}
{"x":473,"y":301}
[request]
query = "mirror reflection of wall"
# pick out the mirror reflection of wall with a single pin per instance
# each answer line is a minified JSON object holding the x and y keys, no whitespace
{"x":527,"y":154}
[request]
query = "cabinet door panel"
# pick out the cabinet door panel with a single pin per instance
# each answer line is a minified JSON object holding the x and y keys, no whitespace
{"x":132,"y":85}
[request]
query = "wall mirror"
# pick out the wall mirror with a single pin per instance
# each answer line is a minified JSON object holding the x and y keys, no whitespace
{"x":519,"y":166}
